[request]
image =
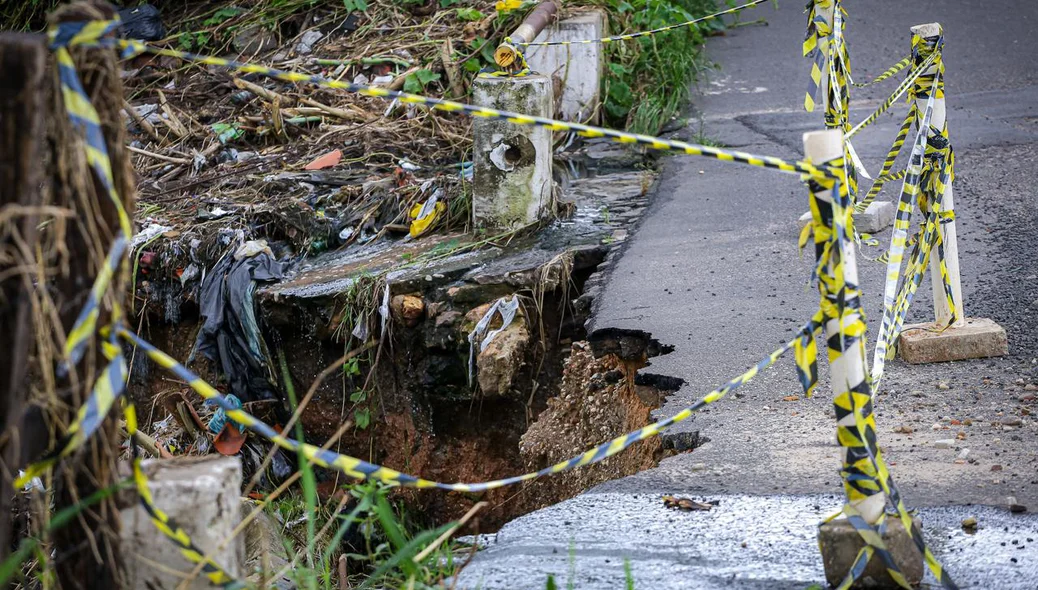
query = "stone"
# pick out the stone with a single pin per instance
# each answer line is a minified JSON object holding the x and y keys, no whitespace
{"x":512,"y":178}
{"x":878,"y":216}
{"x":969,"y":523}
{"x":944,"y":443}
{"x":253,"y":39}
{"x":307,"y":41}
{"x":408,"y":309}
{"x":977,"y":338}
{"x":264,"y":547}
{"x":201,"y":494}
{"x":840,"y":544}
{"x":498,"y":365}
{"x":578,"y":67}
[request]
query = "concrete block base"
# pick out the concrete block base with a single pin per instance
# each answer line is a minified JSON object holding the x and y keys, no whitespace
{"x":877,"y":217}
{"x":977,"y":338}
{"x":202,"y":495}
{"x":840,"y":544}
{"x":512,"y":182}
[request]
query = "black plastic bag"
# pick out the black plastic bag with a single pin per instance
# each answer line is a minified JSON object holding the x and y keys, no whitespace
{"x":142,"y":22}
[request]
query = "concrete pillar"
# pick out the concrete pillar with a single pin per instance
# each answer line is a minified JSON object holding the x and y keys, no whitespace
{"x":512,"y":182}
{"x":201,"y":494}
{"x":966,"y":338}
{"x":838,"y":540}
{"x":578,"y":67}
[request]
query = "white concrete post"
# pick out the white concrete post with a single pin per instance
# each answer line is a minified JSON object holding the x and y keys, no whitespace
{"x":579,"y":67}
{"x":939,"y":122}
{"x":968,"y":337}
{"x":847,"y":368}
{"x":201,"y":494}
{"x":840,"y":543}
{"x":512,"y":181}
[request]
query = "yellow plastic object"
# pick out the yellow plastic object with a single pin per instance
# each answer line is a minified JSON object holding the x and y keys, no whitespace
{"x":424,"y":215}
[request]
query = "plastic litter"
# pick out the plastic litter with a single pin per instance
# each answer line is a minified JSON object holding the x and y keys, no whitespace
{"x":142,"y":22}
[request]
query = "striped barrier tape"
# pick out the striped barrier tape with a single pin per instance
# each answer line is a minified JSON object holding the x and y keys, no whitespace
{"x":85,"y":119}
{"x":802,"y":167}
{"x":106,"y":391}
{"x":885,"y":175}
{"x":902,"y":88}
{"x":887,"y":74}
{"x":614,"y":38}
{"x":363,"y":470}
{"x":864,"y":473}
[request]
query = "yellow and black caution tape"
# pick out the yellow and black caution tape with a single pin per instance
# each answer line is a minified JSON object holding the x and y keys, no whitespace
{"x":864,"y":472}
{"x":614,"y":38}
{"x":85,"y":118}
{"x":360,"y":469}
{"x":106,"y":391}
{"x":902,"y":88}
{"x":797,"y":167}
{"x":887,"y":74}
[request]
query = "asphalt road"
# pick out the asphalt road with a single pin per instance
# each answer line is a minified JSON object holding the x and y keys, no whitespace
{"x":714,"y":270}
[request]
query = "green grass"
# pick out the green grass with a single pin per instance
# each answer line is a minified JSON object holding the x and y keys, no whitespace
{"x":649,"y":79}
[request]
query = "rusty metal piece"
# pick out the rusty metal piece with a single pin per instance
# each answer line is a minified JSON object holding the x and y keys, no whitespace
{"x":543,"y":15}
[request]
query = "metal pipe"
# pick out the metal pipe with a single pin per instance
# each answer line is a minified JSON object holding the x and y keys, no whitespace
{"x":507,"y":54}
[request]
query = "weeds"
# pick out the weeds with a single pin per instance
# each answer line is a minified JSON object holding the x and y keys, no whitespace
{"x":648,"y":79}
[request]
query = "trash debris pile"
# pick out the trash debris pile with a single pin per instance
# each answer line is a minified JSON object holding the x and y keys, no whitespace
{"x":224,"y":158}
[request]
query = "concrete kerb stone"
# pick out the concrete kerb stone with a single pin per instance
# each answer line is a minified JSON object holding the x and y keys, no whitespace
{"x":976,"y":338}
{"x":201,"y":494}
{"x":878,"y":216}
{"x":578,"y":67}
{"x":843,"y":543}
{"x":512,"y":179}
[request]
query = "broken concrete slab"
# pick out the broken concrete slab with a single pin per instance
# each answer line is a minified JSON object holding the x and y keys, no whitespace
{"x":201,"y":495}
{"x":840,"y":545}
{"x":878,"y":216}
{"x":976,"y":338}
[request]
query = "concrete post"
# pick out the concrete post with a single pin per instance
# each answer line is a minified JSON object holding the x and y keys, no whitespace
{"x":200,"y":494}
{"x":967,"y":337}
{"x":878,"y":215}
{"x":578,"y":67}
{"x":512,"y":181}
{"x":838,"y":286}
{"x":847,"y":364}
